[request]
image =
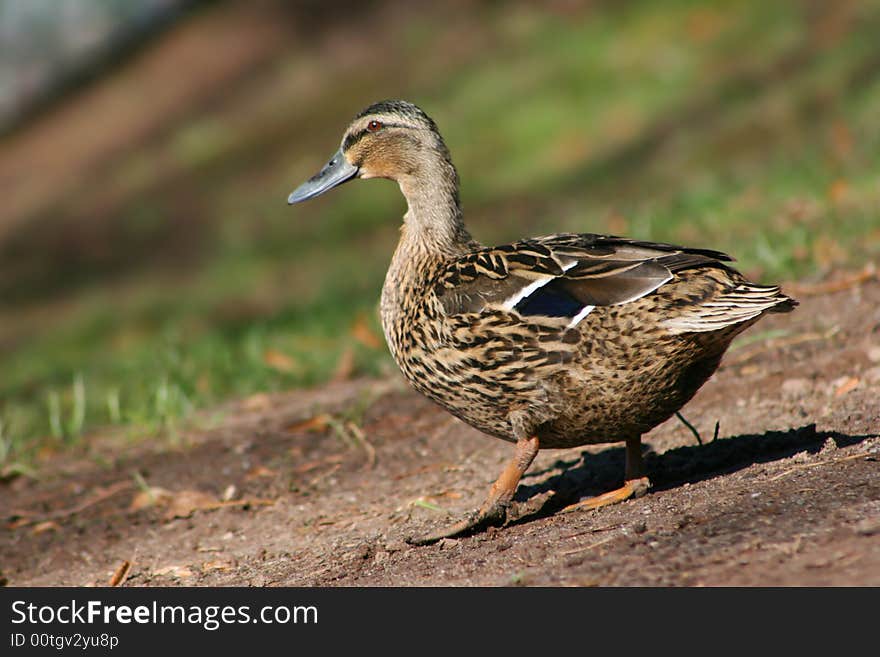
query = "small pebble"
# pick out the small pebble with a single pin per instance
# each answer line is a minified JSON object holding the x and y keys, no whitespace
{"x":868,"y":527}
{"x":828,"y":446}
{"x":801,"y":457}
{"x":396,"y":546}
{"x":229,"y":493}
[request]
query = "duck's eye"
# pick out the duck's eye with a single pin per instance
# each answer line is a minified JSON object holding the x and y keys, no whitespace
{"x":374,"y":126}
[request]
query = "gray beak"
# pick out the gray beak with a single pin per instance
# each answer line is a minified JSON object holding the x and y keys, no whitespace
{"x":334,"y":173}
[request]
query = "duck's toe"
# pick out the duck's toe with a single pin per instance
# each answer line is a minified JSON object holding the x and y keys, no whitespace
{"x":494,"y":509}
{"x":475,"y":523}
{"x":631,"y":488}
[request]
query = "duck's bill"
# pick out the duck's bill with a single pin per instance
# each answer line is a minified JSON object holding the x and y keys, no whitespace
{"x":335,"y":172}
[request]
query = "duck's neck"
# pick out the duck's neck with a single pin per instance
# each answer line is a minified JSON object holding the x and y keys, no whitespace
{"x":432,"y":234}
{"x":433,"y":222}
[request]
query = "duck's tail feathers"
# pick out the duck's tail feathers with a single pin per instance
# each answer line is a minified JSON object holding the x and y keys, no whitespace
{"x":743,"y":303}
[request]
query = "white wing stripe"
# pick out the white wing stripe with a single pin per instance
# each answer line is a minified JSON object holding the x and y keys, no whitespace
{"x":526,"y":291}
{"x":514,"y":299}
{"x":586,"y":310}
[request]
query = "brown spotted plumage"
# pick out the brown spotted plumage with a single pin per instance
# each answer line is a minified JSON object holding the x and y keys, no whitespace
{"x":554,"y":341}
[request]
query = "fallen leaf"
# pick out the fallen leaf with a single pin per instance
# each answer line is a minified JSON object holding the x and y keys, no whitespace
{"x":447,"y":493}
{"x":848,"y":385}
{"x":362,"y":331}
{"x":838,"y":190}
{"x":317,"y":423}
{"x":180,"y":572}
{"x":184,"y":503}
{"x":278,"y":360}
{"x":344,"y":366}
{"x":18,"y":523}
{"x":259,"y":471}
{"x":46,"y":526}
{"x":149,"y":497}
{"x":220,"y":564}
{"x":257,"y":402}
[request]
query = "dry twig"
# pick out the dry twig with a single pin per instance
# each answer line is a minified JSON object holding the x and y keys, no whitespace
{"x":121,"y":574}
{"x":780,"y":342}
{"x":868,"y":272}
{"x":96,"y":498}
{"x":589,"y":547}
{"x":806,"y":466}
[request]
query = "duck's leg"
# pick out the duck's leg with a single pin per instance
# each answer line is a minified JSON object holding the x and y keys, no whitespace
{"x":636,"y":483}
{"x":494,"y":509}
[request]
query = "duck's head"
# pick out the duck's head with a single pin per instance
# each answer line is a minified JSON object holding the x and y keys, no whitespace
{"x":389,"y":139}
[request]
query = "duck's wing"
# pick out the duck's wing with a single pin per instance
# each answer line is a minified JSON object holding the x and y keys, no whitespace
{"x":564,"y":276}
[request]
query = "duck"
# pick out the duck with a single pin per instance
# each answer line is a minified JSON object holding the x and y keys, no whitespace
{"x":549,"y":342}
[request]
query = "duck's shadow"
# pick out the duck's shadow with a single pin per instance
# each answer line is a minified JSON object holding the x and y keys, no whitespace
{"x":595,"y":473}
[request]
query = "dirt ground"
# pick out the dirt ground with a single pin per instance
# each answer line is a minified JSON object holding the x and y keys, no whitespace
{"x":322,"y":487}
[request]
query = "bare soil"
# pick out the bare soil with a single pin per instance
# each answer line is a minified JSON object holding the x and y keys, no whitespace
{"x":322,"y":487}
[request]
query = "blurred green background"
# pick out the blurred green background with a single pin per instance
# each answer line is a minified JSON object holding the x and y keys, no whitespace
{"x":150,"y":267}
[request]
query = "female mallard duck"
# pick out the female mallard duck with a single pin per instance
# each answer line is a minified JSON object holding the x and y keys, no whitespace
{"x":554,"y":341}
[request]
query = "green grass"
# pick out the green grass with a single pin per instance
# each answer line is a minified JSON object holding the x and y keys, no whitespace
{"x":732,"y":126}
